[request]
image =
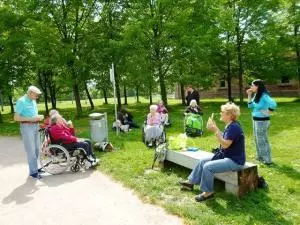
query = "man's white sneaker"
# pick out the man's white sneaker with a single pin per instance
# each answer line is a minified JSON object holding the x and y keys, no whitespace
{"x":95,"y":163}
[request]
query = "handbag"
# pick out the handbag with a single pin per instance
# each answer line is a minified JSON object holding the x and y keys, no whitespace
{"x":218,"y":154}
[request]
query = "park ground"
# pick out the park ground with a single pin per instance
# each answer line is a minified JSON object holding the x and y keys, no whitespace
{"x":130,"y":165}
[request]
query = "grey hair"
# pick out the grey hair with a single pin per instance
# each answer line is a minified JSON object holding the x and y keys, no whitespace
{"x":53,"y":112}
{"x":54,"y":118}
{"x":193,"y":102}
{"x":153,"y":107}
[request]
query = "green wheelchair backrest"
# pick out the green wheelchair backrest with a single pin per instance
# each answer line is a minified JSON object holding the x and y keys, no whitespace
{"x":194,"y":121}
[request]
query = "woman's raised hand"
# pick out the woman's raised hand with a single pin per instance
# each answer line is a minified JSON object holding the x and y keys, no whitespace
{"x":211,"y":125}
{"x":249,"y":91}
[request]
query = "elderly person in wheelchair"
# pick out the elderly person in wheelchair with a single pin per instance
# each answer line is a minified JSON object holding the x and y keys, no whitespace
{"x":64,"y":135}
{"x":153,"y":129}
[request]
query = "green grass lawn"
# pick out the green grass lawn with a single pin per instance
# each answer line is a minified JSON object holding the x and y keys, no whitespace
{"x":130,"y":164}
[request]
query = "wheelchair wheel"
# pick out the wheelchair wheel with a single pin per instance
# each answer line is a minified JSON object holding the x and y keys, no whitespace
{"x":75,"y":168}
{"x":55,"y":159}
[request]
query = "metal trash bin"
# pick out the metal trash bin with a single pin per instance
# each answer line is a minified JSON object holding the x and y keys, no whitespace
{"x":98,"y":127}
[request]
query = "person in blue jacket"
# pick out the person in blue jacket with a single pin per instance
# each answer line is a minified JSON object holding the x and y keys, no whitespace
{"x":262,"y":105}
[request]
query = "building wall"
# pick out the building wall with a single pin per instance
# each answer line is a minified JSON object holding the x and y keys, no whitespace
{"x":290,"y":89}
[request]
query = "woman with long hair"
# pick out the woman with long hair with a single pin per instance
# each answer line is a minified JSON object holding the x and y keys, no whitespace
{"x":262,"y":105}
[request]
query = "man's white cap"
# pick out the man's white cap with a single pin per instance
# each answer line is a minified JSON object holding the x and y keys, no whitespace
{"x":34,"y":89}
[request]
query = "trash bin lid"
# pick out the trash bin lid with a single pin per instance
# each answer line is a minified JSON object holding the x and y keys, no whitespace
{"x":96,"y":116}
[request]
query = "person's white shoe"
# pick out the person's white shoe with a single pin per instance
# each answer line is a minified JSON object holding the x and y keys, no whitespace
{"x":95,"y":163}
{"x":90,"y":158}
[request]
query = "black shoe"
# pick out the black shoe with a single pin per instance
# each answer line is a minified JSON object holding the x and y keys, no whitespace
{"x":201,"y":198}
{"x":41,"y":170}
{"x":186,"y":185}
{"x":36,"y":176}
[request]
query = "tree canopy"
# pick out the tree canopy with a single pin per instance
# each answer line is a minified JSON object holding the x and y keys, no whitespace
{"x":66,"y":46}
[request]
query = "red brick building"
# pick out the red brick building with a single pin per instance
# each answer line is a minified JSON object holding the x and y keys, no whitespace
{"x":283,"y":88}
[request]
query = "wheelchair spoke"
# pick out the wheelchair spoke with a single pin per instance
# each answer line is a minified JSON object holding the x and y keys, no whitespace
{"x":55,"y":159}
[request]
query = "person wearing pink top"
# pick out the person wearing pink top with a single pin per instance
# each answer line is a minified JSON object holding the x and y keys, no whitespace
{"x":153,"y":119}
{"x":153,"y":130}
{"x":162,"y":110}
{"x":64,"y":135}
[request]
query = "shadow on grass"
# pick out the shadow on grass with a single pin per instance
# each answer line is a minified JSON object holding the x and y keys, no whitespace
{"x":255,"y":207}
{"x":287,"y":170}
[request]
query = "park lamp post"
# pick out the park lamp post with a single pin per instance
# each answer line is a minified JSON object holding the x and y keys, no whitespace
{"x":112,"y":80}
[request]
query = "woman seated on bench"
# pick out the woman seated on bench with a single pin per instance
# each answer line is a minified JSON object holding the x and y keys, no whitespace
{"x":231,"y":155}
{"x":62,"y":134}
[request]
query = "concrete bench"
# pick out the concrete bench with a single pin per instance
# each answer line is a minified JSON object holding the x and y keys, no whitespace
{"x":236,"y":182}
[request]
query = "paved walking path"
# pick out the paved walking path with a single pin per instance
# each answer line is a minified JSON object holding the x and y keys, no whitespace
{"x":82,"y":198}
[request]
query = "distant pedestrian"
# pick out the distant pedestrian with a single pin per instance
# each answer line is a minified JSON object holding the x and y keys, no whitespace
{"x":192,"y":94}
{"x":27,"y":115}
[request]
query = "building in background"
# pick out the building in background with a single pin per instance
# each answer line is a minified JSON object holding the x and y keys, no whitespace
{"x":284,"y":88}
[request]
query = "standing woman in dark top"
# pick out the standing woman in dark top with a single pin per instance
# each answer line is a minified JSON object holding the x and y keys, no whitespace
{"x":261,"y":104}
{"x":232,"y":145}
{"x":192,"y":94}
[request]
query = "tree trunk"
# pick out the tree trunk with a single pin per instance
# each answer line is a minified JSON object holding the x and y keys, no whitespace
{"x":125,"y":95}
{"x":241,"y":89}
{"x":182,"y":93}
{"x":46,"y":103}
{"x":239,"y":54}
{"x":12,"y":110}
{"x":228,"y":72}
{"x":137,"y":94}
{"x":89,"y":96}
{"x":44,"y":82}
{"x":150,"y":94}
{"x":156,"y":28}
{"x":296,"y":29}
{"x":53,"y":100}
{"x":161,"y":76}
{"x":52,"y":92}
{"x":2,"y":103}
{"x":117,"y":87}
{"x":2,"y":108}
{"x":162,"y":83}
{"x":105,"y":96}
{"x":77,"y":99}
{"x":229,"y":77}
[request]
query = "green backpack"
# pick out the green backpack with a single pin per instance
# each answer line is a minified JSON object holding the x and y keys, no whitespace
{"x":194,"y":121}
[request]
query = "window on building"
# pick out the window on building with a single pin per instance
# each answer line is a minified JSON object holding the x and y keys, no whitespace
{"x":222,"y":83}
{"x":285,"y":80}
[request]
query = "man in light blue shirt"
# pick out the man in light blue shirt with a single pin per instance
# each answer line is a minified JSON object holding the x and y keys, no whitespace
{"x":27,"y":115}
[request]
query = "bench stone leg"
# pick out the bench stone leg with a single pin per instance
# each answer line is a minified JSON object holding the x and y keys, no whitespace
{"x":231,"y":188}
{"x":161,"y":164}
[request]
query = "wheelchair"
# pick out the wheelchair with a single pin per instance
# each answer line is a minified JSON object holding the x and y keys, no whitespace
{"x":55,"y":158}
{"x":157,"y":140}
